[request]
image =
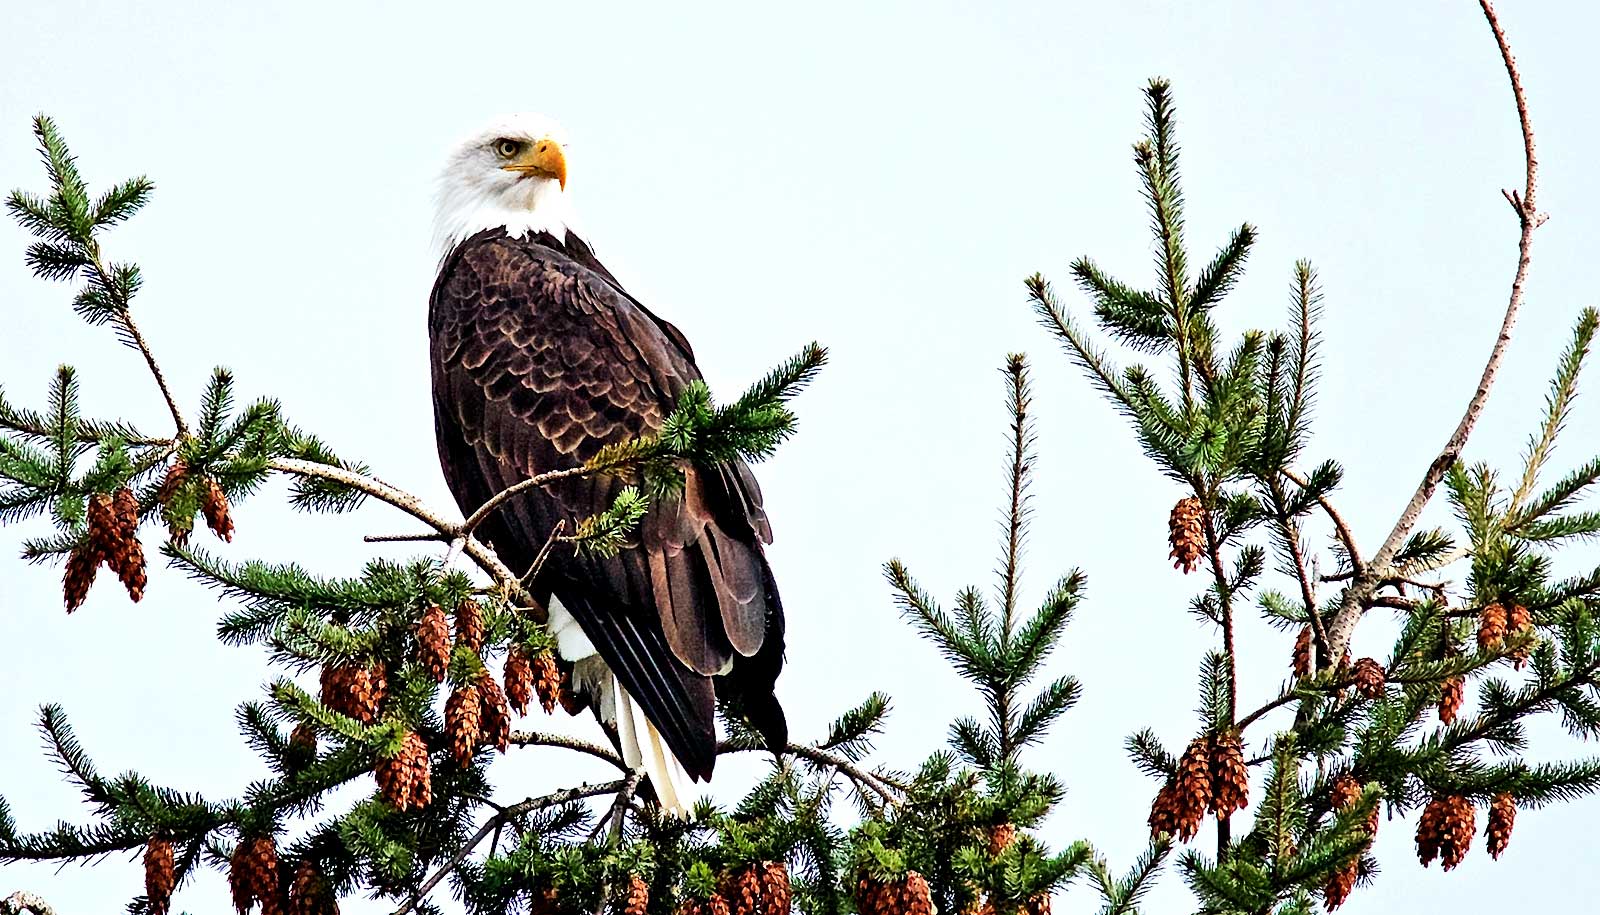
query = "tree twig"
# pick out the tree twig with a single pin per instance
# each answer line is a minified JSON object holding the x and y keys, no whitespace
{"x":541,"y":739}
{"x":1358,"y":594}
{"x":884,"y":787}
{"x":506,"y":815}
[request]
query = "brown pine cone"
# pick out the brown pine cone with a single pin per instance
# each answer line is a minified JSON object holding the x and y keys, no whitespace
{"x":1000,"y":838}
{"x":1302,"y":654}
{"x":463,"y":713}
{"x":742,"y":889}
{"x":1445,"y":830}
{"x":177,"y":473}
{"x":716,"y":905}
{"x":1230,"y":777}
{"x":496,"y":717}
{"x":406,"y":778}
{"x":1164,"y":812}
{"x":1451,"y":695}
{"x":159,"y":879}
{"x":1186,"y":534}
{"x":214,"y":505}
{"x":1491,"y":628}
{"x":355,"y":690}
{"x":469,"y":625}
{"x":178,"y":525}
{"x":1037,"y":904}
{"x":518,"y":674}
{"x":105,"y":533}
{"x":433,"y":643}
{"x":636,"y":898}
{"x":776,"y":894}
{"x":1191,"y":793}
{"x":916,"y":898}
{"x":82,"y":564}
{"x":1338,"y":887}
{"x":547,"y":682}
{"x":129,"y":563}
{"x":310,"y":894}
{"x":304,"y":738}
{"x":1502,"y":816}
{"x":1369,"y":677}
{"x":253,"y":875}
{"x":1518,"y":621}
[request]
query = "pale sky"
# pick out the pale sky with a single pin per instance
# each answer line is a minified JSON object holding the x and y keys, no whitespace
{"x":880,"y":178}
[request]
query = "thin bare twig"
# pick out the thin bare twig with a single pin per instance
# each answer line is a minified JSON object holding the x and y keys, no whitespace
{"x":1359,"y":593}
{"x":540,"y":739}
{"x":1342,"y":529}
{"x":506,"y":495}
{"x":882,"y":786}
{"x":507,"y":815}
{"x":125,"y":318}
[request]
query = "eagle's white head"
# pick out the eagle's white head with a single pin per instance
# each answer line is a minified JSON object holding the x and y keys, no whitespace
{"x":511,"y":174}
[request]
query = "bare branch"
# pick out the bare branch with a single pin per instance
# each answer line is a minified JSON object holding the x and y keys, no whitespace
{"x":883,"y":787}
{"x":541,"y":739}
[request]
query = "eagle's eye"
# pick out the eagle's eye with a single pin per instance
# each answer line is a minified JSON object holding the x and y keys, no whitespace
{"x":508,"y":148}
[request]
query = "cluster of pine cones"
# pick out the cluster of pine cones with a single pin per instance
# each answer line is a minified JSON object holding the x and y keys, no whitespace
{"x":1496,"y":622}
{"x":909,"y":895}
{"x":1345,"y":792}
{"x":1447,"y":824}
{"x":253,"y":878}
{"x":761,"y":888}
{"x":112,"y":540}
{"x":1186,"y":534}
{"x":1212,"y":776}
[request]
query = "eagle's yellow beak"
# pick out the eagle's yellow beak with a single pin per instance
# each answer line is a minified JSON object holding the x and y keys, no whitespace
{"x":544,"y":159}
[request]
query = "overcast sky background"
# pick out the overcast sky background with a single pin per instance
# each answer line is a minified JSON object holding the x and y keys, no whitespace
{"x":879,"y":179}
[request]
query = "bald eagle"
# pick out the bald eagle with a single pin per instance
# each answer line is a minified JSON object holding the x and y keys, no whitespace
{"x":540,"y":358}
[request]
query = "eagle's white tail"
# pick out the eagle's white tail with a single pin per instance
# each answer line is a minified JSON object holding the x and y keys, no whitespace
{"x":642,"y":745}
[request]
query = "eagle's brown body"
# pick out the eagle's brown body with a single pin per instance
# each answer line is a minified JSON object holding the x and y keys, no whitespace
{"x":540,"y":359}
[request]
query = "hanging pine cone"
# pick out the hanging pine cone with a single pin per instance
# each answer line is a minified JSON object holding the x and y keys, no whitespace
{"x":179,"y":524}
{"x":253,"y":875}
{"x":176,"y":475}
{"x":355,"y":690}
{"x":1338,"y":887}
{"x":1445,"y":830}
{"x":496,"y":717}
{"x":742,"y":889}
{"x":463,"y":713}
{"x":1368,"y":676}
{"x":214,"y":505}
{"x":636,"y":899}
{"x":406,"y":779}
{"x":1230,"y":777}
{"x":518,"y":674}
{"x":159,"y":879}
{"x":1037,"y":904}
{"x":105,"y":533}
{"x":1000,"y":838}
{"x":433,"y":643}
{"x":1302,"y":654}
{"x":1191,"y":792}
{"x":1519,"y":621}
{"x":1164,"y":811}
{"x":310,"y":893}
{"x":1186,"y":534}
{"x":304,"y":739}
{"x":548,"y":682}
{"x":776,"y":894}
{"x":1491,"y":628}
{"x":715,"y":905}
{"x":129,"y":562}
{"x":82,"y":564}
{"x":1502,"y":816}
{"x":1451,"y":695}
{"x":915,"y":896}
{"x":469,"y":625}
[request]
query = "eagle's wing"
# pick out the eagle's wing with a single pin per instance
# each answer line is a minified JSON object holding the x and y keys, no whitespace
{"x":538,"y":362}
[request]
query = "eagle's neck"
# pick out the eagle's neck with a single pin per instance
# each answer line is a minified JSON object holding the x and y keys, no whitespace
{"x":465,"y":210}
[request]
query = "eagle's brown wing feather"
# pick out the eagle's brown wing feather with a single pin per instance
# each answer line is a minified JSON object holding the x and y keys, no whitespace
{"x":538,"y":362}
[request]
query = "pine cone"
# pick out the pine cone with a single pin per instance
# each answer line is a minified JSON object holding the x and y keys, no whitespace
{"x":463,"y":713}
{"x":1000,"y":838}
{"x":637,"y":897}
{"x":304,"y":738}
{"x":1164,"y":811}
{"x":469,"y":625}
{"x":1451,"y":695}
{"x":1491,"y":628}
{"x":355,"y":690}
{"x":105,"y":533}
{"x":1502,"y":816}
{"x":82,"y":564}
{"x":915,"y":896}
{"x":776,"y":894}
{"x":1445,"y":830}
{"x":1191,"y":794}
{"x":1518,"y":621}
{"x":1302,"y":654}
{"x":716,"y":905}
{"x":406,"y":778}
{"x":253,"y":875}
{"x":1230,"y":777}
{"x":742,"y":889}
{"x":496,"y":717}
{"x":1369,"y":677}
{"x":1338,"y":887}
{"x":433,"y":643}
{"x":1037,"y":904}
{"x":129,"y":563}
{"x":178,"y":525}
{"x":1186,"y":534}
{"x":159,"y":879}
{"x":176,"y":475}
{"x":310,"y":893}
{"x":214,"y":505}
{"x":518,"y":676}
{"x":547,"y":682}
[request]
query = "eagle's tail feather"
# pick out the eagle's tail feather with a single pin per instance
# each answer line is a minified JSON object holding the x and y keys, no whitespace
{"x":643,"y":746}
